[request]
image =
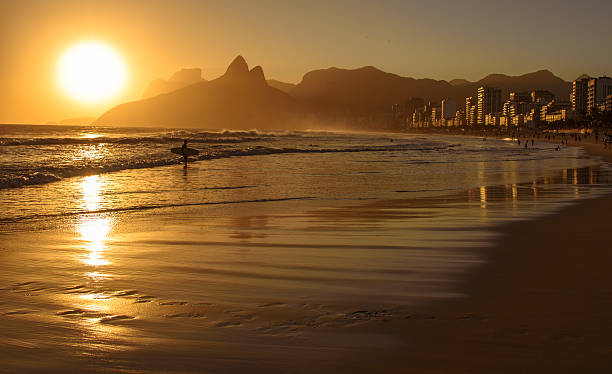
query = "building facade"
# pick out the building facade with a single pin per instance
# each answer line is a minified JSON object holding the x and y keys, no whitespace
{"x":598,"y":89}
{"x":470,"y":111}
{"x":449,"y":109}
{"x":579,"y":96}
{"x":542,"y":97}
{"x":489,"y":102}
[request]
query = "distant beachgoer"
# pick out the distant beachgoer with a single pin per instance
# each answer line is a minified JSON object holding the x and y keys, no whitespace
{"x":526,"y":144}
{"x":557,"y":148}
{"x":519,"y":141}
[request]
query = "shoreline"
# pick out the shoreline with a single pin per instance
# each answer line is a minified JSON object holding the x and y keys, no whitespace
{"x":540,"y":303}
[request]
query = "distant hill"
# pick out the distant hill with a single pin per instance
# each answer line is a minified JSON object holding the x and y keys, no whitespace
{"x":539,"y":80}
{"x":459,"y":82}
{"x":178,"y":80}
{"x":342,"y":93}
{"x":240,"y":99}
{"x":285,"y":87}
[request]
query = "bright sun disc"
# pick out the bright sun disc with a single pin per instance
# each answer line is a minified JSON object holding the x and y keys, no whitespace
{"x":91,"y":71}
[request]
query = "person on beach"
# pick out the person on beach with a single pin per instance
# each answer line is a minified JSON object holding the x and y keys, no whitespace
{"x":184,"y":150}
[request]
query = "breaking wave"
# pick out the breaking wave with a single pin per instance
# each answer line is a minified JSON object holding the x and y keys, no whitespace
{"x":47,"y":174}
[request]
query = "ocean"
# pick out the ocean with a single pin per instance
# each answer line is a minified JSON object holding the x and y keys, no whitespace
{"x":108,"y":243}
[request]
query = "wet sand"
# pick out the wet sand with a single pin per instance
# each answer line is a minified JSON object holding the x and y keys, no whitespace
{"x":541,"y":304}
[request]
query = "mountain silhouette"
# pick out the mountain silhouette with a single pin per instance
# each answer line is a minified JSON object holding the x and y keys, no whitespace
{"x":180,"y":79}
{"x":355,"y":98}
{"x":343,"y":94}
{"x":283,"y":86}
{"x":240,"y":99}
{"x":539,"y":80}
{"x":459,"y":82}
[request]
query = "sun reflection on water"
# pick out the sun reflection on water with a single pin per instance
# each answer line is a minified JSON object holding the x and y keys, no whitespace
{"x":91,"y":136}
{"x":90,"y":188}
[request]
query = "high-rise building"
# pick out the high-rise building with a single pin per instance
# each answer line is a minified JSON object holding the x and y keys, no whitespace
{"x":449,"y":108}
{"x":470,"y":111}
{"x":489,"y":102}
{"x":520,"y":97}
{"x":598,"y":89}
{"x":542,"y":97}
{"x":608,"y":104}
{"x":579,"y":96}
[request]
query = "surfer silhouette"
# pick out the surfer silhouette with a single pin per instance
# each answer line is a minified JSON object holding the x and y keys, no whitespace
{"x":184,"y":151}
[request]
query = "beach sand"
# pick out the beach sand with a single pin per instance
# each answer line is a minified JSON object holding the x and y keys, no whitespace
{"x":541,"y":301}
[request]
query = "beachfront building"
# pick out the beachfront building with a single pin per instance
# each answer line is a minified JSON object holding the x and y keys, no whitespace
{"x":489,"y":102}
{"x":518,"y":97}
{"x":556,"y":110}
{"x":459,"y":117}
{"x":413,"y":108}
{"x":415,"y":104}
{"x":496,"y":120}
{"x":519,"y":104}
{"x":542,"y":97}
{"x":470,"y":111}
{"x":608,"y":104}
{"x":449,"y":109}
{"x":436,"y":116}
{"x":598,"y":90}
{"x":579,"y":96}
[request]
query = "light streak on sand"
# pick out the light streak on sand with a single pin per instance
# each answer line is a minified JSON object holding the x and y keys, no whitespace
{"x":94,"y":233}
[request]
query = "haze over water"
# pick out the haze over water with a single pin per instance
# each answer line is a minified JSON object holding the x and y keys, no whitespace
{"x":109,"y":245}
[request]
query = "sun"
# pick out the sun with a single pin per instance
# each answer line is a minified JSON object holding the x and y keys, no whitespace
{"x":91,"y":71}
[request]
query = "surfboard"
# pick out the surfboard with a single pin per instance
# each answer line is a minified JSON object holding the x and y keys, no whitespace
{"x":187,"y":152}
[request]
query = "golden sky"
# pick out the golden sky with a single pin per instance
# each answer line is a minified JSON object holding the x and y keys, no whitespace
{"x":436,"y":39}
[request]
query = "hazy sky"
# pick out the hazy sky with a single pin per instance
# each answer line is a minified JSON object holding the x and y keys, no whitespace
{"x":435,"y":39}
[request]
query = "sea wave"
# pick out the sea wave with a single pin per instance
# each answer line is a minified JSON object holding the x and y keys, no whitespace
{"x":47,"y":174}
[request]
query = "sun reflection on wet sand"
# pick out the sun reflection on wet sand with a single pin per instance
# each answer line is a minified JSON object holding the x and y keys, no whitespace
{"x":93,"y":230}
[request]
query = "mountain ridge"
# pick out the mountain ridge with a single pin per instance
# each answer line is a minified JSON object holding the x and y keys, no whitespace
{"x":239,"y":99}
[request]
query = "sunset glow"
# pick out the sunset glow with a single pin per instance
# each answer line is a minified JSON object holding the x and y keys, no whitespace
{"x":196,"y":186}
{"x":91,"y":72}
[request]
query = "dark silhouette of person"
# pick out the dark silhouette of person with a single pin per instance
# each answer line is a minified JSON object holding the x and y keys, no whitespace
{"x":184,"y":151}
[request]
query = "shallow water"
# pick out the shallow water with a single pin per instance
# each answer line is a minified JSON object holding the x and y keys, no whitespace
{"x":254,"y":245}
